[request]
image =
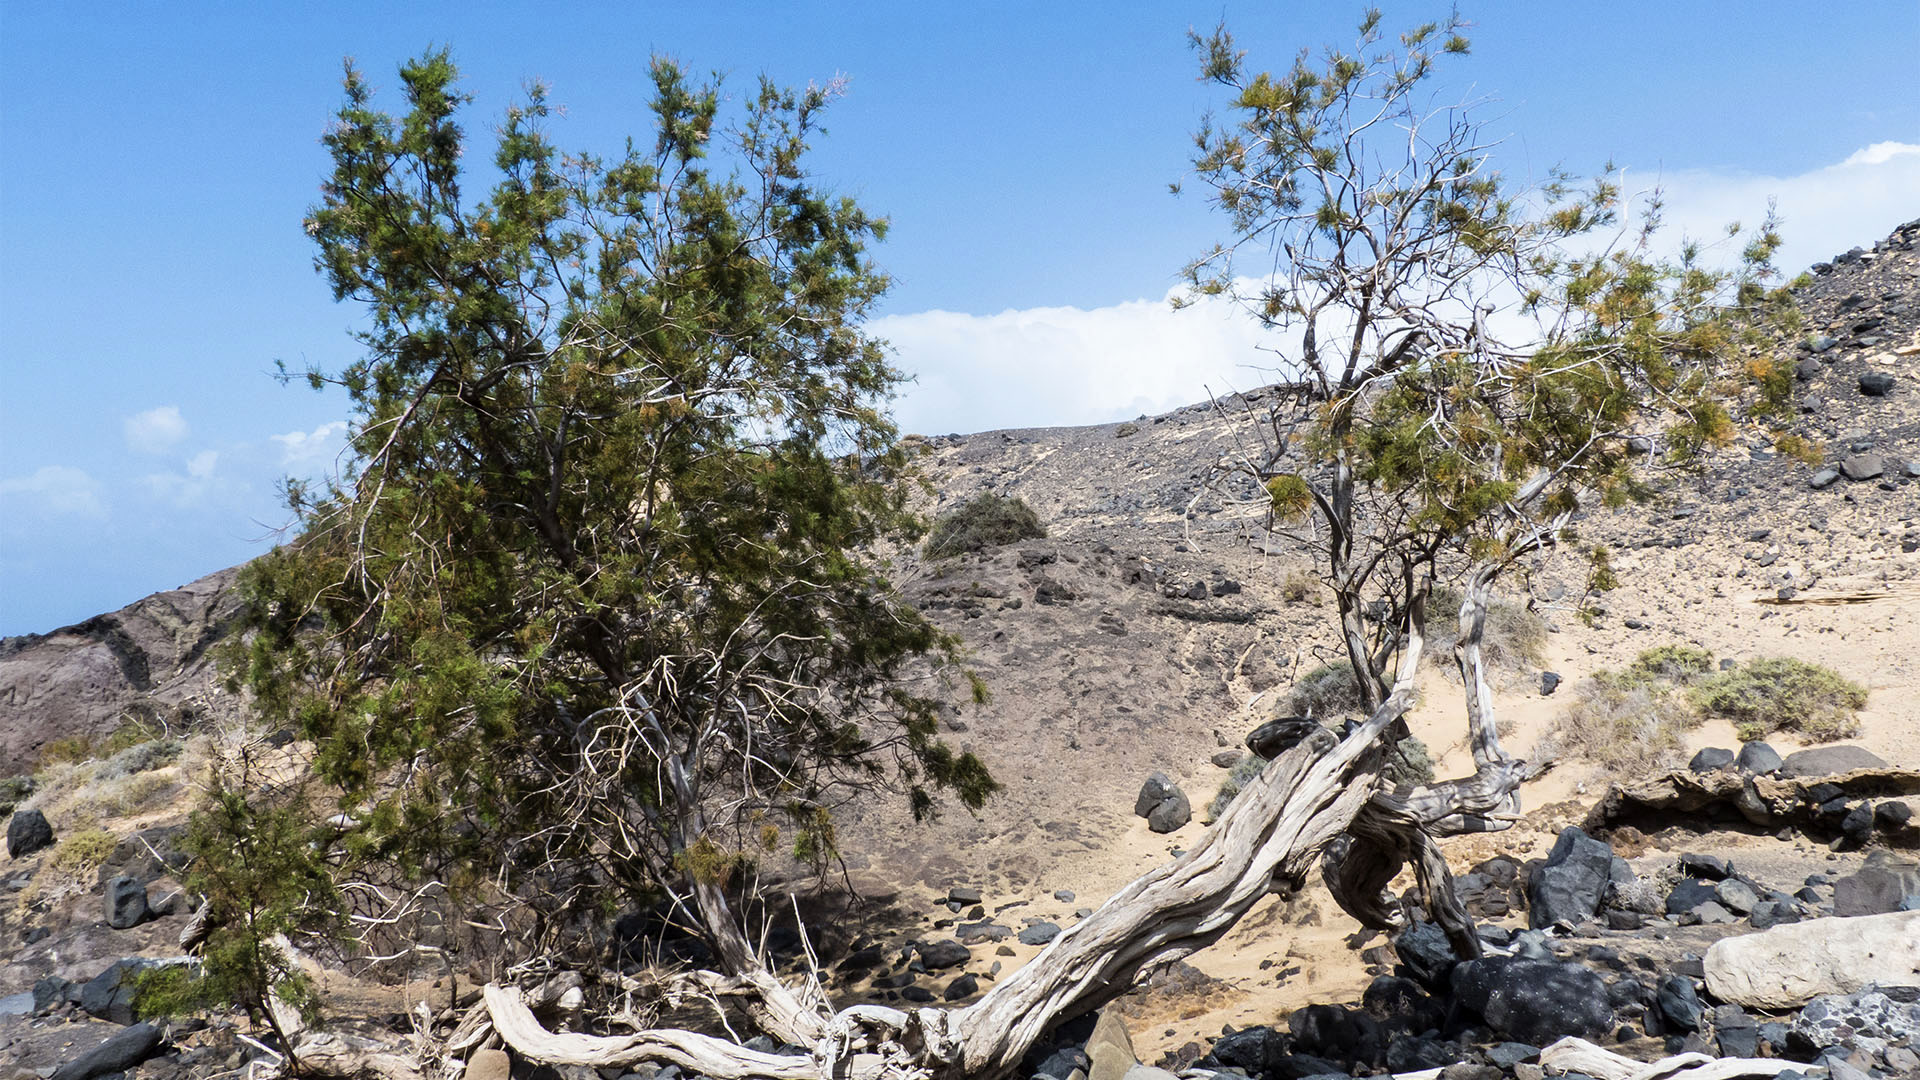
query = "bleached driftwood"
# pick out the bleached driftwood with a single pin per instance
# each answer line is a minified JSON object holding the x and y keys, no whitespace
{"x":1579,"y":1055}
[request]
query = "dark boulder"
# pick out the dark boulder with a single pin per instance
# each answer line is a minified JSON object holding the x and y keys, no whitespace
{"x":1426,"y":954}
{"x":109,"y":995}
{"x":1828,"y":761}
{"x":1402,"y":1005}
{"x":1711,"y":759}
{"x":1039,"y":933}
{"x":126,"y":903}
{"x":1252,"y":1049}
{"x":962,"y":987}
{"x":1680,"y":1007}
{"x":1172,"y":813}
{"x":1572,"y":882}
{"x":1533,"y":1001}
{"x":1705,"y":867}
{"x":1758,"y":758}
{"x":1276,"y":737}
{"x":942,"y":954}
{"x":121,"y":1051}
{"x":1877,"y":887}
{"x":1876,"y":384}
{"x":28,"y":832}
{"x":1158,"y":787}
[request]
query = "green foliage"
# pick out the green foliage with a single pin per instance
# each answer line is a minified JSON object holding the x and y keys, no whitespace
{"x":14,"y":791}
{"x":1410,"y":764}
{"x":1781,"y":693}
{"x":1325,"y":693}
{"x":1238,"y":777}
{"x":1678,"y":665}
{"x":984,"y":521}
{"x":619,"y":445}
{"x":1431,"y":428}
{"x":263,"y":872}
{"x":81,"y":852}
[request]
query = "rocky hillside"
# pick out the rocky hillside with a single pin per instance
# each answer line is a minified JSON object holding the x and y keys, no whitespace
{"x":1154,"y":626}
{"x":146,"y":662}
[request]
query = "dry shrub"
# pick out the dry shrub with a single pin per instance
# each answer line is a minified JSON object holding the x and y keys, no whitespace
{"x":1298,"y":585}
{"x":81,"y":853}
{"x":1780,"y":693}
{"x":1627,"y":726}
{"x":1515,"y":638}
{"x":1327,"y":692}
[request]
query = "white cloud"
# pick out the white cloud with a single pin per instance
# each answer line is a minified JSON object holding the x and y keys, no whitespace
{"x":200,"y":466}
{"x":1823,"y":212}
{"x":310,"y":449}
{"x":56,"y":491}
{"x":1065,"y":365}
{"x":156,"y":431}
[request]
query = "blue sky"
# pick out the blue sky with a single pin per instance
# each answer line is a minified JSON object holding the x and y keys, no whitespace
{"x":158,"y":160}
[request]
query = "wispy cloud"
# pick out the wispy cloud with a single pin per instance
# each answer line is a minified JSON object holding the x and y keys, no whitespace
{"x":319,"y":448}
{"x":1067,"y":365}
{"x":1823,"y":212}
{"x":156,"y":431}
{"x":53,"y":491}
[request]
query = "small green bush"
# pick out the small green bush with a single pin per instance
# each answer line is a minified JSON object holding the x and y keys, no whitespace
{"x":984,"y":521}
{"x":1238,"y":777}
{"x":1410,"y":764}
{"x":1681,"y":665}
{"x":82,"y":852}
{"x":1325,"y":692}
{"x":1780,"y":693}
{"x":141,"y":757}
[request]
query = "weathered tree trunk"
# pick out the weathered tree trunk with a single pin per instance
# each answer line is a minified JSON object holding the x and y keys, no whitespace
{"x":1317,"y":792}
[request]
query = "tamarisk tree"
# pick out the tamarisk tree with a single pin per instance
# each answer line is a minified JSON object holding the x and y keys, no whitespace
{"x":590,"y":620}
{"x":1470,"y":361}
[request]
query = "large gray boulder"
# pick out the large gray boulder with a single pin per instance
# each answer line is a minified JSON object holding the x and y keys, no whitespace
{"x":1876,"y":888}
{"x":1570,"y":886}
{"x":28,"y":832}
{"x":1793,"y":963}
{"x":1534,"y":1001}
{"x":126,"y":902}
{"x":121,"y":1051}
{"x":1828,"y":760}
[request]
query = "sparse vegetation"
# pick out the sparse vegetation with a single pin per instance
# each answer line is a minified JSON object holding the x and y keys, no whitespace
{"x":1516,"y":637}
{"x":82,"y":852}
{"x":1299,"y":584}
{"x":1681,"y":665}
{"x":1239,"y":776}
{"x":984,"y":521}
{"x":1330,"y":690}
{"x":140,"y":757}
{"x":1410,"y":764}
{"x":1781,"y":693}
{"x":1636,"y":720}
{"x":1624,"y":725}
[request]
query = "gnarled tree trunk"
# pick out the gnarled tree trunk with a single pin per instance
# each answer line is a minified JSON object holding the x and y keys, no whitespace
{"x":1321,"y":789}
